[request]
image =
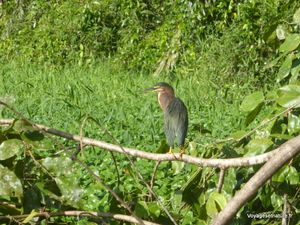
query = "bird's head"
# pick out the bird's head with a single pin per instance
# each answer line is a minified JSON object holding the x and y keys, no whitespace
{"x":162,"y":88}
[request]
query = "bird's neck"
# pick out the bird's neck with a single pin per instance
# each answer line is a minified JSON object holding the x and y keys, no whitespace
{"x":164,"y":100}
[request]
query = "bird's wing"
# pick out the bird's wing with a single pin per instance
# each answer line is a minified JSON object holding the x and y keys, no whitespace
{"x":176,"y":118}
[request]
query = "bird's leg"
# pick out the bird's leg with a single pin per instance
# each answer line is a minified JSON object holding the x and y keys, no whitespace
{"x":182,"y":151}
{"x":170,"y":151}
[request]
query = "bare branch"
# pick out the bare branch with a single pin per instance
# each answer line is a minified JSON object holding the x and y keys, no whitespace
{"x":221,"y":180}
{"x":221,"y":163}
{"x":119,"y":217}
{"x":283,"y":155}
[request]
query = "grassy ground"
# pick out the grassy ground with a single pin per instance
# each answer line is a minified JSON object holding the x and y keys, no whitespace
{"x":61,"y":98}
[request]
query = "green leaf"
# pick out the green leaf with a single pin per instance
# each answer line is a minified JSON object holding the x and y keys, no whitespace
{"x":177,"y":167}
{"x":10,"y":184}
{"x":211,"y":208}
{"x":281,"y":174}
{"x":290,"y":43}
{"x":22,"y":125}
{"x":293,"y":176}
{"x":141,"y":209}
{"x":215,"y":203}
{"x":176,"y":200}
{"x":293,"y":123}
{"x":290,"y":99}
{"x":252,"y":115}
{"x":285,"y":68}
{"x":251,"y":101}
{"x":219,"y":199}
{"x":290,"y":88}
{"x":9,"y":148}
{"x":154,"y":209}
{"x":296,"y":17}
{"x":238,"y":134}
{"x":258,"y":146}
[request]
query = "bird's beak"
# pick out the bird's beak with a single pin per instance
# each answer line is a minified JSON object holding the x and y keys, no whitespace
{"x":149,"y":89}
{"x":152,"y":89}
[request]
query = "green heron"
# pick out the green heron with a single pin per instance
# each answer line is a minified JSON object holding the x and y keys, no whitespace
{"x":175,"y":114}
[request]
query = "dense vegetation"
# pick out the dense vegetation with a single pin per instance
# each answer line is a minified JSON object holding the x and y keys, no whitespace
{"x":234,"y":63}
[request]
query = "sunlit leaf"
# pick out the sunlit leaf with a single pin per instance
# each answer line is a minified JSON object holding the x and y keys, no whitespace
{"x":290,"y":88}
{"x":9,"y":148}
{"x":290,"y":99}
{"x":290,"y":43}
{"x":238,"y":134}
{"x":219,"y":199}
{"x":293,"y":176}
{"x":293,"y":123}
{"x":211,"y":208}
{"x":22,"y":125}
{"x":251,"y":101}
{"x":154,"y":209}
{"x":285,"y":68}
{"x":177,"y":166}
{"x":258,"y":146}
{"x":276,"y":200}
{"x":296,"y":17}
{"x":10,"y":184}
{"x":216,"y":202}
{"x":281,"y":174}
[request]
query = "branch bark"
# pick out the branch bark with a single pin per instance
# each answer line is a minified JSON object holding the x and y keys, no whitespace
{"x":283,"y":155}
{"x":119,"y":217}
{"x":221,"y":163}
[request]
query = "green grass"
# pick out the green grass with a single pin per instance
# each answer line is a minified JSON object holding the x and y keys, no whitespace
{"x":62,"y":98}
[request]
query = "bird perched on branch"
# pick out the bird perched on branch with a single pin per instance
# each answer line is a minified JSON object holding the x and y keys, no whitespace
{"x":175,"y":114}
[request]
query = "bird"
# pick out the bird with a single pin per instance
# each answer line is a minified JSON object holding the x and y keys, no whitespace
{"x":175,"y":115}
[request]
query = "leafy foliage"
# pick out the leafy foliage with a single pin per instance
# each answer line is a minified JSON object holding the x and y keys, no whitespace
{"x":214,"y":49}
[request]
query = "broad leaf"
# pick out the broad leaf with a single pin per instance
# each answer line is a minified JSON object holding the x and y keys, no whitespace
{"x":215,"y":203}
{"x":258,"y":146}
{"x":251,"y":101}
{"x":9,"y":148}
{"x":296,"y":17}
{"x":290,"y":88}
{"x":285,"y":68}
{"x":10,"y":184}
{"x":290,"y":43}
{"x":290,"y":99}
{"x":293,"y":123}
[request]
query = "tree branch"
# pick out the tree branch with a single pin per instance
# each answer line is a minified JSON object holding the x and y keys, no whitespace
{"x":221,"y":163}
{"x":119,"y":217}
{"x":221,"y":180}
{"x":283,"y":155}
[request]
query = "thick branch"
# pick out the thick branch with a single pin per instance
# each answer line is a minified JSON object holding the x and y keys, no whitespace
{"x":283,"y":155}
{"x":221,"y":163}
{"x":119,"y":217}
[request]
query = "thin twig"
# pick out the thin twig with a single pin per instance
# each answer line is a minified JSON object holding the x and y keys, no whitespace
{"x":119,"y":217}
{"x":221,"y":180}
{"x":284,"y":220}
{"x":153,"y":177}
